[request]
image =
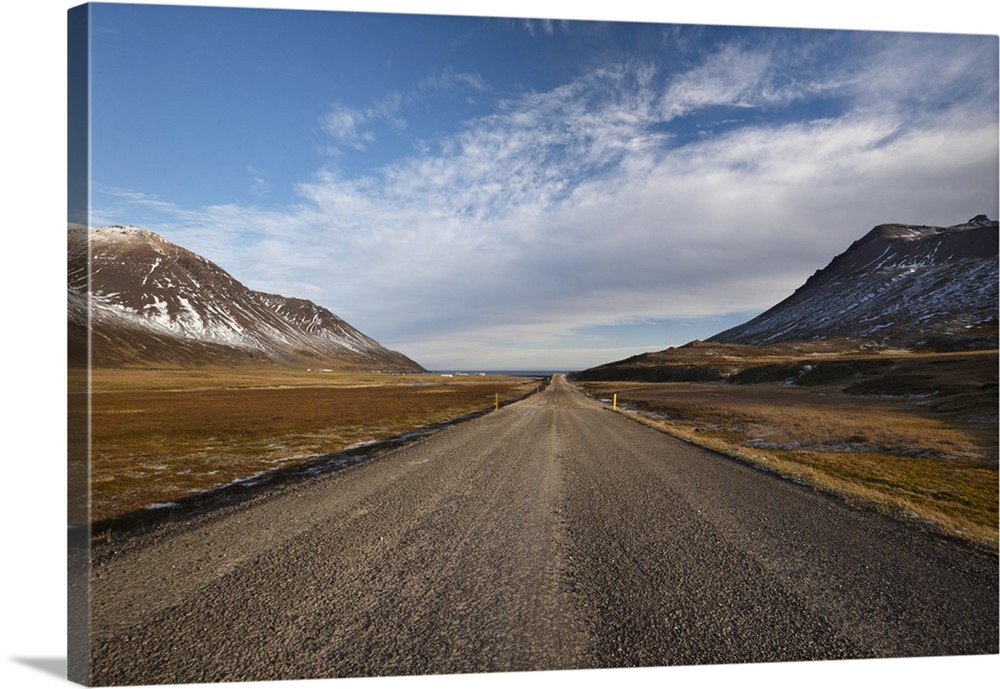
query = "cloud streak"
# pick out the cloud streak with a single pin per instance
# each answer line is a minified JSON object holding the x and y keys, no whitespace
{"x":352,"y":127}
{"x":451,"y":78}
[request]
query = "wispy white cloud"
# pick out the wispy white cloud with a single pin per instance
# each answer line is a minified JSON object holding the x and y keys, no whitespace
{"x":450,"y":78}
{"x":345,"y":126}
{"x":259,"y":184}
{"x":578,"y":206}
{"x":352,"y":127}
{"x":731,"y":77}
{"x":544,"y":26}
{"x":928,"y":76}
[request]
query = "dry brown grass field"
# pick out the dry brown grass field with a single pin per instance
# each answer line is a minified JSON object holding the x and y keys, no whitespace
{"x":913,"y":434}
{"x":162,"y":435}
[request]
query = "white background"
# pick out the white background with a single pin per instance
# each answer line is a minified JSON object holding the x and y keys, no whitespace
{"x":33,"y":45}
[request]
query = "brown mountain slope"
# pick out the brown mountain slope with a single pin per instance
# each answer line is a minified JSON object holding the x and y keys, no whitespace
{"x":900,"y":286}
{"x":150,"y":302}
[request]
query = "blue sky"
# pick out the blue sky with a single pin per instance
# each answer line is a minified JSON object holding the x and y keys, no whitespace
{"x":529,"y":193}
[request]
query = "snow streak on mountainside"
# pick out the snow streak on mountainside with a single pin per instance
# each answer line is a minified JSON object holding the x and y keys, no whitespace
{"x":151,"y":301}
{"x":899,"y":285}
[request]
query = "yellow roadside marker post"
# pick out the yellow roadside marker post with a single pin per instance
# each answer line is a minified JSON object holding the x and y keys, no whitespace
{"x":614,"y":402}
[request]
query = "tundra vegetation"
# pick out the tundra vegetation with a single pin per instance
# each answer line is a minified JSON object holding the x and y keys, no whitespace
{"x":161,"y":435}
{"x":911,"y":433}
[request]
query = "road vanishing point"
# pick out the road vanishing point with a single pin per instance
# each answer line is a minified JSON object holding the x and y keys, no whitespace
{"x":551,"y":534}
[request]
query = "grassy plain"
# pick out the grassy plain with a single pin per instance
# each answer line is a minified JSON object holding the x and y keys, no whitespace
{"x":911,"y":433}
{"x":160,"y":435}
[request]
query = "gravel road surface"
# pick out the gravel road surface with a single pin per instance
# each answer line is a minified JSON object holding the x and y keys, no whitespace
{"x":550,"y":534}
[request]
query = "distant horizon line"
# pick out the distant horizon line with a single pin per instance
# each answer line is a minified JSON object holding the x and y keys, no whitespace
{"x":507,"y":371}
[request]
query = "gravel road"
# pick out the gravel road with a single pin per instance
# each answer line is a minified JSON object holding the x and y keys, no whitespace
{"x":550,"y":534}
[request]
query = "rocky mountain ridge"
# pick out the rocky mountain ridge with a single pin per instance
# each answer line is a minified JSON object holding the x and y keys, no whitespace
{"x":149,"y":301}
{"x":900,"y":286}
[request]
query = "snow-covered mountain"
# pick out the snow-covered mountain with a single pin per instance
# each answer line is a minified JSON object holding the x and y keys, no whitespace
{"x":899,"y":285}
{"x":151,"y":301}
